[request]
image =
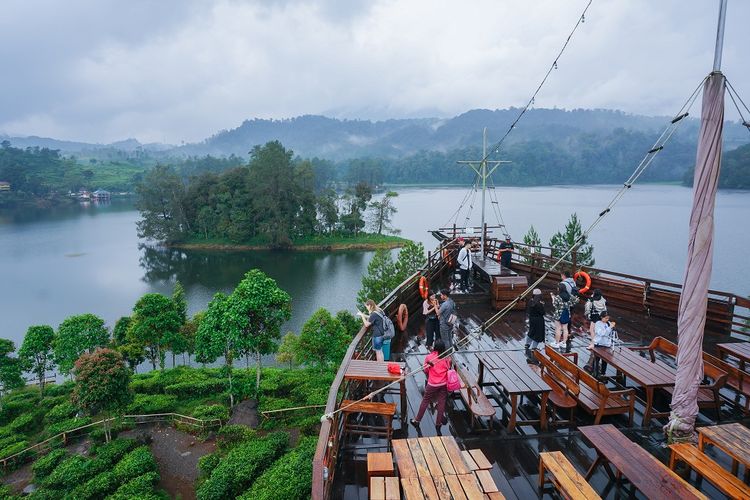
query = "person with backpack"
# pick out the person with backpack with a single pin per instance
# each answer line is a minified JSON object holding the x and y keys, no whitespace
{"x":568,"y":284}
{"x":464,"y":265}
{"x":562,"y":305}
{"x":381,"y":327}
{"x":447,"y":317}
{"x":436,"y":389}
{"x":595,"y":308}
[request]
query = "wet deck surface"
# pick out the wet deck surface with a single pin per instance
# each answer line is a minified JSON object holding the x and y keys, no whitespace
{"x":515,"y":457}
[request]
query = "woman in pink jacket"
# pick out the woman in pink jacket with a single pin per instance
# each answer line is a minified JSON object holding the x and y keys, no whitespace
{"x":437,"y":380}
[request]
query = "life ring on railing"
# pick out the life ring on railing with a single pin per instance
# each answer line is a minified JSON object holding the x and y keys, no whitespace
{"x":402,"y":317}
{"x":424,"y":287}
{"x":447,"y":257}
{"x":586,"y":277}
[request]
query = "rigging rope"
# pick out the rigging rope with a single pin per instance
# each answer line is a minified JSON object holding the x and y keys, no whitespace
{"x":645,"y":162}
{"x":732,"y":94}
{"x":455,"y":215}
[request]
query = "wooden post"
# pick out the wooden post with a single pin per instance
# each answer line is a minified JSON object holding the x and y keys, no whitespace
{"x":575,"y":260}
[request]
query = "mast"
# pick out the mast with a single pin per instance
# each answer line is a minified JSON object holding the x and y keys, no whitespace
{"x":691,"y":318}
{"x":480,"y":167}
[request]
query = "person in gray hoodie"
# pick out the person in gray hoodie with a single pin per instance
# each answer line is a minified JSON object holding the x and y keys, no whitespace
{"x":595,"y":309}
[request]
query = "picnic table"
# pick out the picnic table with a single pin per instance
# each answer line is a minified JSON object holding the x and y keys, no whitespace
{"x":360,"y":369}
{"x":435,"y":468}
{"x":512,"y":373}
{"x":740,"y":350}
{"x":732,"y":439}
{"x":646,"y":473}
{"x":488,"y":267}
{"x":647,"y":374}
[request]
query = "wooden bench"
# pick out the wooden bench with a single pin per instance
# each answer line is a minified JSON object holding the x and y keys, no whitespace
{"x":564,"y":389}
{"x":474,"y":398}
{"x":708,"y":392}
{"x":384,"y":410}
{"x":702,"y":464}
{"x":565,"y":478}
{"x":593,"y":395}
{"x":384,"y":488}
{"x":737,"y":380}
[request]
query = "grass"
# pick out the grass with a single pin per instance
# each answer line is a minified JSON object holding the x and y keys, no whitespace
{"x":316,"y":242}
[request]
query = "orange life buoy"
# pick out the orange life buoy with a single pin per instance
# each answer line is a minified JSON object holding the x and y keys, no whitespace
{"x":402,"y":317}
{"x":447,"y":257}
{"x":586,"y":277}
{"x":424,"y":287}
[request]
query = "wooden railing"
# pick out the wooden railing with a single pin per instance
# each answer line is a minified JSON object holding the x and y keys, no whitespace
{"x":329,"y":437}
{"x":44,"y":447}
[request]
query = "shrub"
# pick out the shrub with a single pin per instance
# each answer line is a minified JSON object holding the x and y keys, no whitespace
{"x":147,"y":385}
{"x":96,"y":487}
{"x":71,"y":472}
{"x":14,"y":407}
{"x":207,"y":464}
{"x":242,"y":466}
{"x":67,"y":425}
{"x":137,"y":462}
{"x":46,"y":464}
{"x":290,"y":477}
{"x":209,"y":412}
{"x":63,"y":389}
{"x":25,"y":423}
{"x":138,"y":487}
{"x":61,"y":412}
{"x":112,"y":452}
{"x":192,"y":389}
{"x":97,"y":433}
{"x":230,"y":436}
{"x":153,"y":403}
{"x":13,"y":449}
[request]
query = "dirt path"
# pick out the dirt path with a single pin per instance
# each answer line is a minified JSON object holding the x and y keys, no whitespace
{"x":20,"y":479}
{"x":177,"y":454}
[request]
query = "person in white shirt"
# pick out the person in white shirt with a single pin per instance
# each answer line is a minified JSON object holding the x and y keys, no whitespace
{"x":464,"y":265}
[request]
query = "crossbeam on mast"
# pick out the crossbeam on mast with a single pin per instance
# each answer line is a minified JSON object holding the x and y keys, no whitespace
{"x":480,"y":167}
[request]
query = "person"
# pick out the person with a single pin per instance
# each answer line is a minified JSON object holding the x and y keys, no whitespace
{"x":506,"y":251}
{"x":436,"y":389}
{"x":562,"y":304}
{"x":603,"y":332}
{"x":595,"y":307}
{"x":535,"y":310}
{"x":464,"y":264}
{"x":568,"y":284}
{"x":447,"y":316}
{"x":374,"y":319}
{"x":430,"y":308}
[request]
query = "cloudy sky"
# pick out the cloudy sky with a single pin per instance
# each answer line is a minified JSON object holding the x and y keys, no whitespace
{"x":172,"y":71}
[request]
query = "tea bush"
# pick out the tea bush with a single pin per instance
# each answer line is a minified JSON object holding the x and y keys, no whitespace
{"x":137,"y":462}
{"x":290,"y":477}
{"x":44,"y":466}
{"x":152,"y":403}
{"x":138,"y":487}
{"x":67,"y":425}
{"x":208,"y":412}
{"x":60,"y":412}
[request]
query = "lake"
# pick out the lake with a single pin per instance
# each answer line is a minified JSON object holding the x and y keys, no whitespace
{"x":80,"y":259}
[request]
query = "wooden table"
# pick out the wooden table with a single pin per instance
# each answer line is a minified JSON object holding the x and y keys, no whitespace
{"x":740,"y":350}
{"x":512,"y":373}
{"x":732,"y":439}
{"x":488,"y":267}
{"x":646,"y":473}
{"x":647,"y":374}
{"x":360,"y":369}
{"x":434,"y":468}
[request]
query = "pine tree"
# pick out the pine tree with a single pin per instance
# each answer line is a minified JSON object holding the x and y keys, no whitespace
{"x":380,"y":278}
{"x":534,"y":242}
{"x":561,"y":242}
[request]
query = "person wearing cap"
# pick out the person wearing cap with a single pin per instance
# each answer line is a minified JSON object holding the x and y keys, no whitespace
{"x":535,"y":311}
{"x":464,"y":265}
{"x":506,"y":251}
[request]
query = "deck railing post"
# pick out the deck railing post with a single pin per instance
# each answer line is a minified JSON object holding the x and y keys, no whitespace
{"x":575,"y":260}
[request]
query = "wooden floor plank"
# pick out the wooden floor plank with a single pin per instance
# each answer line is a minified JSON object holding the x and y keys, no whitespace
{"x":455,"y":453}
{"x":485,"y":479}
{"x":471,"y":486}
{"x":480,"y":459}
{"x":428,"y":488}
{"x":442,"y":455}
{"x":454,"y":485}
{"x":404,"y":461}
{"x":419,"y":462}
{"x":392,"y":490}
{"x":377,"y":488}
{"x":469,"y":460}
{"x":412,"y":489}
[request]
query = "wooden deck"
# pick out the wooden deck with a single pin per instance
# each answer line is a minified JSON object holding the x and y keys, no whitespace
{"x":514,"y":456}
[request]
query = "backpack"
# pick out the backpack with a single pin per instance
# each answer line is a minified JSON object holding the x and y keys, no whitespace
{"x":389,"y":331}
{"x":454,"y":382}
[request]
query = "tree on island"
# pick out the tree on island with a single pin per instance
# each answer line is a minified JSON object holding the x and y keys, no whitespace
{"x":36,"y":353}
{"x":328,"y":210}
{"x":381,"y":213}
{"x":76,"y":335}
{"x":102,"y":384}
{"x":323,"y":340}
{"x":10,"y":368}
{"x":161,"y":198}
{"x":155,"y":325}
{"x":562,"y":241}
{"x":357,"y":198}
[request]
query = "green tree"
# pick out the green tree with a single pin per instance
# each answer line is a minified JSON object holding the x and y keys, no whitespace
{"x":188,"y":332}
{"x":534,"y":242}
{"x":133,"y":353}
{"x":411,"y":258}
{"x":380,"y":278}
{"x":161,"y":202}
{"x":178,"y":342}
{"x":287,"y":349}
{"x":323,"y":340}
{"x":351,"y":323}
{"x":562,"y":241}
{"x":357,"y":199}
{"x":329,"y":210}
{"x":381,"y":213}
{"x":10,"y":368}
{"x":102,"y":384}
{"x":217,"y":337}
{"x":36,"y":353}
{"x":155,"y":325}
{"x":120,"y":331}
{"x":76,"y":335}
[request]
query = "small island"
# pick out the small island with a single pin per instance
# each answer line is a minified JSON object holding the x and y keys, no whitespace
{"x":363,"y":241}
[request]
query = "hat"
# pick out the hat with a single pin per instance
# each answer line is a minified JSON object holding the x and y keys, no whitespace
{"x":507,"y":236}
{"x":537,"y":291}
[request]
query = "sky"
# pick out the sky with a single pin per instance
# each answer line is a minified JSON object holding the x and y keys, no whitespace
{"x":181,"y":70}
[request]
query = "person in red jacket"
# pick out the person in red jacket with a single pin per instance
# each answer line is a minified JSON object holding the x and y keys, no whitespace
{"x":437,"y":381}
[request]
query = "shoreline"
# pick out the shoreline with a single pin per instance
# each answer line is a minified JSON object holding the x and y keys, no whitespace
{"x":312,"y":247}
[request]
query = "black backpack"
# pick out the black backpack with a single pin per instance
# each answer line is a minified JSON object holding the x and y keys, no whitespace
{"x":389,"y":331}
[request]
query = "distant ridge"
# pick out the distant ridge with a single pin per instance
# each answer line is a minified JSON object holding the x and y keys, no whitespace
{"x":337,"y":139}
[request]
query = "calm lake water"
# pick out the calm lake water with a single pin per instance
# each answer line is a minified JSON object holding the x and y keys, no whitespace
{"x":87,"y":259}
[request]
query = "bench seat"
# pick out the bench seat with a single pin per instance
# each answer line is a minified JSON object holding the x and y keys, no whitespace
{"x":569,"y":483}
{"x":474,"y":398}
{"x":705,"y":467}
{"x":384,"y":410}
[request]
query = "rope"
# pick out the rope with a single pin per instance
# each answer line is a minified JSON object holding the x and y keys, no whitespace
{"x":496,"y":206}
{"x":454,"y":218}
{"x":645,"y":162}
{"x":732,"y":94}
{"x":553,"y":66}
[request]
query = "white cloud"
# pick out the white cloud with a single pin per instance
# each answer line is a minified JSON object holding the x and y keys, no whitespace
{"x":102,"y":71}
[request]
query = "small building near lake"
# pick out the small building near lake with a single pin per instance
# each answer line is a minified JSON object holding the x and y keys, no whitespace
{"x":4,"y":186}
{"x":101,"y":195}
